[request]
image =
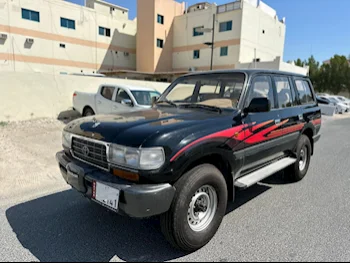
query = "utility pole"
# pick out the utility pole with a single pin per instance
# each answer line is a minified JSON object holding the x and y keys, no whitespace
{"x":212,"y":43}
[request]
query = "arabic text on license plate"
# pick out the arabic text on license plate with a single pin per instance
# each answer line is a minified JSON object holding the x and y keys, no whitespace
{"x":106,"y":195}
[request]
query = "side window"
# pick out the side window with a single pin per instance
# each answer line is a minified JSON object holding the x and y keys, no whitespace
{"x":107,"y":92}
{"x":261,"y":87}
{"x":284,"y":92}
{"x":304,"y":91}
{"x":122,"y":95}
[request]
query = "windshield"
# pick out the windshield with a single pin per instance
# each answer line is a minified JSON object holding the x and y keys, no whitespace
{"x":144,"y":97}
{"x":217,"y":90}
{"x":333,"y":100}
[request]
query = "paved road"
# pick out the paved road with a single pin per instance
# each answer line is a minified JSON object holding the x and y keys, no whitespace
{"x":272,"y":221}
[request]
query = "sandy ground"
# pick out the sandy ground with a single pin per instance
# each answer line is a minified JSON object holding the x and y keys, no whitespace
{"x":27,"y":160}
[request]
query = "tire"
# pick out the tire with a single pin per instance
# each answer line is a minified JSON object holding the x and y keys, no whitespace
{"x":177,"y":225}
{"x":298,"y":171}
{"x":88,"y":112}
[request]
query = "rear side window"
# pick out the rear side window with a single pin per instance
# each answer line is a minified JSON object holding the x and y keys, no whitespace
{"x":261,"y":88}
{"x":285,"y":95}
{"x":107,"y":92}
{"x":304,"y":92}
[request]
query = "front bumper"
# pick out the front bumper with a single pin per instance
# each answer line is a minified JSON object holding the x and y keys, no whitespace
{"x":138,"y":201}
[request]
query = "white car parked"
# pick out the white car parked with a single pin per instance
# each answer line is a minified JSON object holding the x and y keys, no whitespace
{"x":340,"y":106}
{"x":112,"y":99}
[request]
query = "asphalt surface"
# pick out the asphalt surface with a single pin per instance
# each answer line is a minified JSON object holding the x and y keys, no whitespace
{"x":272,"y":221}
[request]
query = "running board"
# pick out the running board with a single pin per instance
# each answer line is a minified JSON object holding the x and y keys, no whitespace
{"x":261,"y":174}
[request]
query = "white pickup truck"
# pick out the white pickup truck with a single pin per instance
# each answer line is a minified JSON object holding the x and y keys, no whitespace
{"x":113,"y":99}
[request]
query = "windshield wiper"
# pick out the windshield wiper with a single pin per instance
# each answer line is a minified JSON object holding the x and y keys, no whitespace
{"x":167,"y":102}
{"x":202,"y":106}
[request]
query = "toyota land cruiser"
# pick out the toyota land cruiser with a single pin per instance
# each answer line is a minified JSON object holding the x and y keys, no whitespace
{"x":208,"y":134}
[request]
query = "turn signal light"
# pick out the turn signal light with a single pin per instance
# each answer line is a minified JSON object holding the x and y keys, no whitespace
{"x":126,"y":175}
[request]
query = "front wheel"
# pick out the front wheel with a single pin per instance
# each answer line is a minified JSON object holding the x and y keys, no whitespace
{"x":197,"y":210}
{"x":298,"y":171}
{"x":88,"y":112}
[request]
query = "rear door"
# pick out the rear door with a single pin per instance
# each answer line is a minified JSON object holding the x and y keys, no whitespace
{"x":104,"y":100}
{"x":260,"y":146}
{"x":290,"y":111}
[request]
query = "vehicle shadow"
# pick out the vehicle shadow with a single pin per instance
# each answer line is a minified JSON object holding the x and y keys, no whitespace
{"x":67,"y":227}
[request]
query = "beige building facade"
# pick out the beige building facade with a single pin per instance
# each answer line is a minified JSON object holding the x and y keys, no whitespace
{"x":55,"y":36}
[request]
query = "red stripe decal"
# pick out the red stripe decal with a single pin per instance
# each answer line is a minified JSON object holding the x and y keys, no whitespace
{"x":261,"y":136}
{"x":257,"y":127}
{"x":229,"y":133}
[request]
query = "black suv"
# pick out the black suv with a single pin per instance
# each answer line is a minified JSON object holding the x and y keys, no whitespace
{"x":207,"y":135}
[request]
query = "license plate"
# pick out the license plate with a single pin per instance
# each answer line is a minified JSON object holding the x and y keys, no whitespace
{"x":106,"y":195}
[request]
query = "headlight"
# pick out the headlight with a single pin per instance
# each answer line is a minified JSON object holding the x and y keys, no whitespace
{"x":67,"y":139}
{"x":143,"y":159}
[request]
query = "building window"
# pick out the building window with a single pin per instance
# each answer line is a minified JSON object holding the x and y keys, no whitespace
{"x":67,"y":23}
{"x":223,"y":51}
{"x":30,"y":15}
{"x":196,"y":33}
{"x":160,"y":43}
{"x":102,"y":31}
{"x":160,"y":19}
{"x":196,"y":54}
{"x":225,"y":26}
{"x":62,"y":46}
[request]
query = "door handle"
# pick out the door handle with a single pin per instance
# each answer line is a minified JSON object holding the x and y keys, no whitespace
{"x":99,"y":102}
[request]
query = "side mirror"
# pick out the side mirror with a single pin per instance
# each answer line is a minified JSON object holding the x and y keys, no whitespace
{"x":127,"y":102}
{"x":154,"y":100}
{"x":258,"y":105}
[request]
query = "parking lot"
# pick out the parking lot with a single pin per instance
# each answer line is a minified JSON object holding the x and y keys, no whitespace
{"x":43,"y":220}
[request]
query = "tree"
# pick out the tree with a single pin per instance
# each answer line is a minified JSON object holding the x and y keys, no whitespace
{"x":335,"y":75}
{"x":299,"y":63}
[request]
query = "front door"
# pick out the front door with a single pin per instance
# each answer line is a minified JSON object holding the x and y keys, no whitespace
{"x":261,"y":141}
{"x":119,"y":105}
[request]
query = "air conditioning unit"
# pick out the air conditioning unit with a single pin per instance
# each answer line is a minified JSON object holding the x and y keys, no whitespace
{"x":30,"y":40}
{"x":126,"y":54}
{"x":3,"y":36}
{"x":192,"y":69}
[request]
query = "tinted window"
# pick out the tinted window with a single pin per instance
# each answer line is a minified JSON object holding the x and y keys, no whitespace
{"x":196,"y":33}
{"x":122,"y":95}
{"x":223,"y":51}
{"x":160,"y":19}
{"x":107,"y":92}
{"x":196,"y":54}
{"x":225,"y":26}
{"x":284,"y":92}
{"x":30,"y":15}
{"x":304,"y":92}
{"x":261,"y":87}
{"x":160,"y":43}
{"x":67,"y":23}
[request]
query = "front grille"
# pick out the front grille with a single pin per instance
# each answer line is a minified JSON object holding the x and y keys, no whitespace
{"x":95,"y":155}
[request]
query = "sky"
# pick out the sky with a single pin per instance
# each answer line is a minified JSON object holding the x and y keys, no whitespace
{"x":314,"y":27}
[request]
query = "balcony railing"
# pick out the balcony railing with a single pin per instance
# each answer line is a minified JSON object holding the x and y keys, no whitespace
{"x":229,"y":7}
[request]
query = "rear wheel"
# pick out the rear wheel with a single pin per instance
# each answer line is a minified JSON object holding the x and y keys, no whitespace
{"x":198,"y":208}
{"x":88,"y":112}
{"x":298,"y":171}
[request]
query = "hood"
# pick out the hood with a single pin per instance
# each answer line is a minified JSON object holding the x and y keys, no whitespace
{"x":135,"y":128}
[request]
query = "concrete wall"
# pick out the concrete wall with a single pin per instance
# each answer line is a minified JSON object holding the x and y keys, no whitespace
{"x":26,"y":96}
{"x":85,"y":50}
{"x":261,"y":32}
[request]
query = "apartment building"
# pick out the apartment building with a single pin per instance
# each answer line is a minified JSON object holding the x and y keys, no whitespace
{"x":166,"y":37}
{"x":56,"y":36}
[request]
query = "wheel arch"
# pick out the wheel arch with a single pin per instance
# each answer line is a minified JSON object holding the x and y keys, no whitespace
{"x":86,"y":108}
